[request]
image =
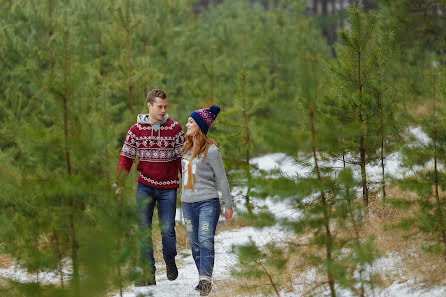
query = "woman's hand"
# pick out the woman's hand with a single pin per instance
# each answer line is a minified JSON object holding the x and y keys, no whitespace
{"x":228,"y":213}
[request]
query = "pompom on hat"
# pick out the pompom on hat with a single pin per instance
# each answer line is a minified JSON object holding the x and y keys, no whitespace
{"x":205,"y":117}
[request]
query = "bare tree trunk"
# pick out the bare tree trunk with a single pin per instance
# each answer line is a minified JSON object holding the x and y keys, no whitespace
{"x":57,"y":242}
{"x":362,"y":154}
{"x":365,"y":190}
{"x":212,"y":76}
{"x":437,"y":195}
{"x":325,"y":203}
{"x":59,"y":257}
{"x":129,"y":70}
{"x":65,"y":108}
{"x":383,"y":181}
{"x":74,"y":243}
{"x":50,"y":35}
{"x":145,"y":55}
{"x":358,"y":241}
{"x":247,"y":139}
{"x":273,"y":284}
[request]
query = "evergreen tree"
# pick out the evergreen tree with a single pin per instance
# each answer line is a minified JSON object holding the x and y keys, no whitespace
{"x":237,"y":124}
{"x":61,"y":208}
{"x":329,"y":214}
{"x":425,"y":176}
{"x":418,"y":28}
{"x":390,"y":124}
{"x":361,"y":57}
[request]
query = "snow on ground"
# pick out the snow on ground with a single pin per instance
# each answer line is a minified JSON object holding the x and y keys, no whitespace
{"x":224,"y":241}
{"x":224,"y":262}
{"x":282,"y":209}
{"x":290,"y":168}
{"x":19,"y":274}
{"x":408,"y":289}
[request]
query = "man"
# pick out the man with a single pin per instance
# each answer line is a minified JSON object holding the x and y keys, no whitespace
{"x":157,"y":141}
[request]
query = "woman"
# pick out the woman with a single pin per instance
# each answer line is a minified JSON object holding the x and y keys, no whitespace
{"x":202,"y":171}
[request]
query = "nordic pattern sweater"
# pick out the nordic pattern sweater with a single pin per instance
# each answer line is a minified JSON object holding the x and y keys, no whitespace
{"x":202,"y":176}
{"x":158,"y":148}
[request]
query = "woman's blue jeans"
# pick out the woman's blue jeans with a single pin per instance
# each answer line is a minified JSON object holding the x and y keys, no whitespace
{"x":165,"y":199}
{"x":201,"y":220}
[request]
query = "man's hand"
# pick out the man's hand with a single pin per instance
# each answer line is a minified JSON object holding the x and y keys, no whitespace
{"x":121,"y":176}
{"x":228,"y":213}
{"x":118,"y":191}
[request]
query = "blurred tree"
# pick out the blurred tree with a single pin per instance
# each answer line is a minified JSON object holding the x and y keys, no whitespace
{"x":426,"y":177}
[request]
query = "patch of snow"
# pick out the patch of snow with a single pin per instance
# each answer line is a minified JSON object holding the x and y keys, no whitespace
{"x":280,"y":209}
{"x":408,"y":289}
{"x":19,"y":274}
{"x":279,"y":161}
{"x":419,"y":135}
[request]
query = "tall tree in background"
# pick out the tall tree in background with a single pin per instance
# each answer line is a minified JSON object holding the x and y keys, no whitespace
{"x":390,"y":124}
{"x":329,"y":218}
{"x":419,"y":32}
{"x":425,"y":176}
{"x":237,"y":123}
{"x":363,"y":53}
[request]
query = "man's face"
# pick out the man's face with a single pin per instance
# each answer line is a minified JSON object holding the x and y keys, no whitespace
{"x":158,"y":109}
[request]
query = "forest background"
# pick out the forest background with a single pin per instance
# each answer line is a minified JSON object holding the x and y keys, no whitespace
{"x":322,"y":81}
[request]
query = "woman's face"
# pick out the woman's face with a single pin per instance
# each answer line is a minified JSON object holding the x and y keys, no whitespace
{"x":191,"y":126}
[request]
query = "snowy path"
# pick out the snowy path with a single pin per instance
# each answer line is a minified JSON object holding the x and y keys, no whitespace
{"x":225,"y":259}
{"x":188,"y":277}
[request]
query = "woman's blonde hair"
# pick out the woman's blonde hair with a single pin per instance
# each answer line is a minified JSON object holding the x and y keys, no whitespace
{"x":199,"y":142}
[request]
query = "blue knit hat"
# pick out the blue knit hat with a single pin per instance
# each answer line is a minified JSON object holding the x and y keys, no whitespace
{"x":205,"y":117}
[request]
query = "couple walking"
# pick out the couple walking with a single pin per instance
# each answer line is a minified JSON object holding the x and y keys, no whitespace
{"x":163,"y":150}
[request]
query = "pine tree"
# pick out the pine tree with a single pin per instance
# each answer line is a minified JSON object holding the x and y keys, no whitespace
{"x":426,"y":178}
{"x":329,"y":214}
{"x":361,"y":57}
{"x":59,"y":209}
{"x":389,"y":127}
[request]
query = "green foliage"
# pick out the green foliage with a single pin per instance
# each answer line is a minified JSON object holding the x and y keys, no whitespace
{"x":255,"y":264}
{"x":329,"y":214}
{"x":361,"y":104}
{"x":73,"y":74}
{"x":425,"y":177}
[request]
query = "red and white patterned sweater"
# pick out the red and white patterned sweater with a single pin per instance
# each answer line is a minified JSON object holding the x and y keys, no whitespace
{"x":158,"y":148}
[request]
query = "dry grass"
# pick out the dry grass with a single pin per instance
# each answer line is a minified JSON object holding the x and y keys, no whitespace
{"x":262,"y":285}
{"x":5,"y":261}
{"x":298,"y":274}
{"x":405,"y":259}
{"x":425,"y":269}
{"x":419,"y":109}
{"x":234,"y":223}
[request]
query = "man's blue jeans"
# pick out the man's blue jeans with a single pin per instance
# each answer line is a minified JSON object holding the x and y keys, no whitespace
{"x":201,"y":220}
{"x":165,"y":199}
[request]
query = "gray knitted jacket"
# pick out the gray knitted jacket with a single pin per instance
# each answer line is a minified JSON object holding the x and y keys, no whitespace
{"x":202,"y":176}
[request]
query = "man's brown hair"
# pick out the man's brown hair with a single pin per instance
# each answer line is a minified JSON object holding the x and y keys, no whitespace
{"x":155,"y":93}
